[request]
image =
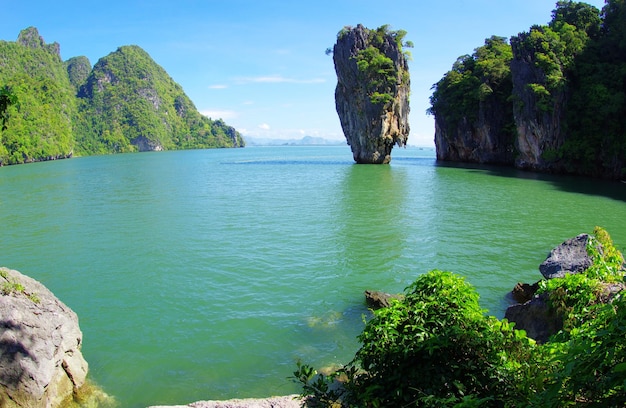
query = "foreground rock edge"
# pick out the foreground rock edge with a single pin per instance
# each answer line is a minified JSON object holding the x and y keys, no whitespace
{"x":41,"y":364}
{"x":287,"y":401}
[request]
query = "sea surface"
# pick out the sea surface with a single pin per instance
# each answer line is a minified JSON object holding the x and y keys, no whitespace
{"x":207,"y":274}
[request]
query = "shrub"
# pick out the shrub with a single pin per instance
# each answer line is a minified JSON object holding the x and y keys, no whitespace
{"x":436,"y":348}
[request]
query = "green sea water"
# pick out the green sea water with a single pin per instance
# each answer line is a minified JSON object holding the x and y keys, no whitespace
{"x":207,"y":274}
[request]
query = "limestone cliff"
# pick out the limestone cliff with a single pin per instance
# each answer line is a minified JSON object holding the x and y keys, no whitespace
{"x":564,"y":108}
{"x":486,"y":139}
{"x":372,"y":93}
{"x":538,"y":116}
{"x":472,"y":109}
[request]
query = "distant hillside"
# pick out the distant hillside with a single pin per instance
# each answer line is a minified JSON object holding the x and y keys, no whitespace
{"x":125,"y":103}
{"x":305,"y":141}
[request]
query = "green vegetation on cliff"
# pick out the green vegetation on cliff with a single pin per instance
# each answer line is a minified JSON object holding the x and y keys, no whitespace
{"x":437,"y":348}
{"x":130,"y":103}
{"x":473,"y":79}
{"x":126,"y":102}
{"x":41,"y":126}
{"x":382,"y":74}
{"x":561,"y":85}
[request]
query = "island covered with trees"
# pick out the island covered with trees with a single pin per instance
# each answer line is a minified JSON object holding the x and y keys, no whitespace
{"x":126,"y":102}
{"x":551,"y":99}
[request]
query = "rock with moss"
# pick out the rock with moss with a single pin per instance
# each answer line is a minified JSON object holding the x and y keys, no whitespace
{"x":41,"y":364}
{"x":372,"y":93}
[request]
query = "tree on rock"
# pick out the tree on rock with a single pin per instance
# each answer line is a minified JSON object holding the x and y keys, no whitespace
{"x":372,"y":93}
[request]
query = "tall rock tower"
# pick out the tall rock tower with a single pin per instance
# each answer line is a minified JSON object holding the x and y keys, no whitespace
{"x":372,"y":94}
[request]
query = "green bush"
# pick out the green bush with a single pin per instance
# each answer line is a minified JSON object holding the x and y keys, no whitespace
{"x":435,"y":348}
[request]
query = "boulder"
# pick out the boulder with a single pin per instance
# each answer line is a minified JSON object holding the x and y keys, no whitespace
{"x":523,"y":292}
{"x":376,"y":299}
{"x":40,"y":360}
{"x":536,"y":318}
{"x":569,"y":257}
{"x":372,"y":104}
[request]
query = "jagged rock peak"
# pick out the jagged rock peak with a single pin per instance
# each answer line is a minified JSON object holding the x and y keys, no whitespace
{"x":372,"y":93}
{"x":29,"y":37}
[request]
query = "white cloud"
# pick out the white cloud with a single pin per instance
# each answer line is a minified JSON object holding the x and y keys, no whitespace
{"x":264,"y":126}
{"x":218,"y":86}
{"x":219,"y":114}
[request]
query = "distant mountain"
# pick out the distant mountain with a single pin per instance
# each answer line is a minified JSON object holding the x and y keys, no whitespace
{"x":305,"y":141}
{"x":126,"y":102}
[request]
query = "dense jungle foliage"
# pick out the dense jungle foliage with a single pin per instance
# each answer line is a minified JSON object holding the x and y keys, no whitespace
{"x":438,"y":348}
{"x":125,"y":103}
{"x":579,"y":62}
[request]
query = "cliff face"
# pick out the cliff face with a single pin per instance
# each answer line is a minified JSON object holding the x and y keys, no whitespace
{"x":483,"y":140}
{"x":538,"y":117}
{"x":372,"y":93}
{"x":564,"y":109}
{"x":471,"y":104}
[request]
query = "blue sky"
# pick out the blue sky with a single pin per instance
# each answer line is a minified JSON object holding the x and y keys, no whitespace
{"x":260,"y":64}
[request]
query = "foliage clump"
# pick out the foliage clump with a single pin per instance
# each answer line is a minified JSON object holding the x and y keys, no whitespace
{"x":438,"y":348}
{"x":381,"y":72}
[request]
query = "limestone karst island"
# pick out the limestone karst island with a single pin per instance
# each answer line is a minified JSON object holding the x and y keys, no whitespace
{"x":372,"y":93}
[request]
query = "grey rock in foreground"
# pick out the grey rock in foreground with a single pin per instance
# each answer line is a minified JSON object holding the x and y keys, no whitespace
{"x":569,"y":257}
{"x":288,"y":401}
{"x":40,"y":359}
{"x":533,"y":313}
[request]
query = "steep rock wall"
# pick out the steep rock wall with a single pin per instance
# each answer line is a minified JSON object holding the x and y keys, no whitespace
{"x":538,"y":117}
{"x":371,"y":127}
{"x":483,"y":140}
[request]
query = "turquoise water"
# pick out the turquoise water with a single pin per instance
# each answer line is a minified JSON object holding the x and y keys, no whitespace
{"x":207,"y":274}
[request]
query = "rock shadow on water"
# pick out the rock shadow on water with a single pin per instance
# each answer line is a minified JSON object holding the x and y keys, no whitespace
{"x":567,"y":183}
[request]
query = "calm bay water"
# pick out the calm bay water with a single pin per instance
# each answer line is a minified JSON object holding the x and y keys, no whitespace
{"x":207,"y":274}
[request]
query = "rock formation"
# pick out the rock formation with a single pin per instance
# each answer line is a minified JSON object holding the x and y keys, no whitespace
{"x":481,"y":141}
{"x":40,"y":360}
{"x":470,"y":126}
{"x":372,"y":93}
{"x":569,"y":257}
{"x":376,"y":299}
{"x":533,"y":313}
{"x":538,"y":118}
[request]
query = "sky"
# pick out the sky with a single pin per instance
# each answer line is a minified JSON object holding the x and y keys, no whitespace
{"x":260,"y":65}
